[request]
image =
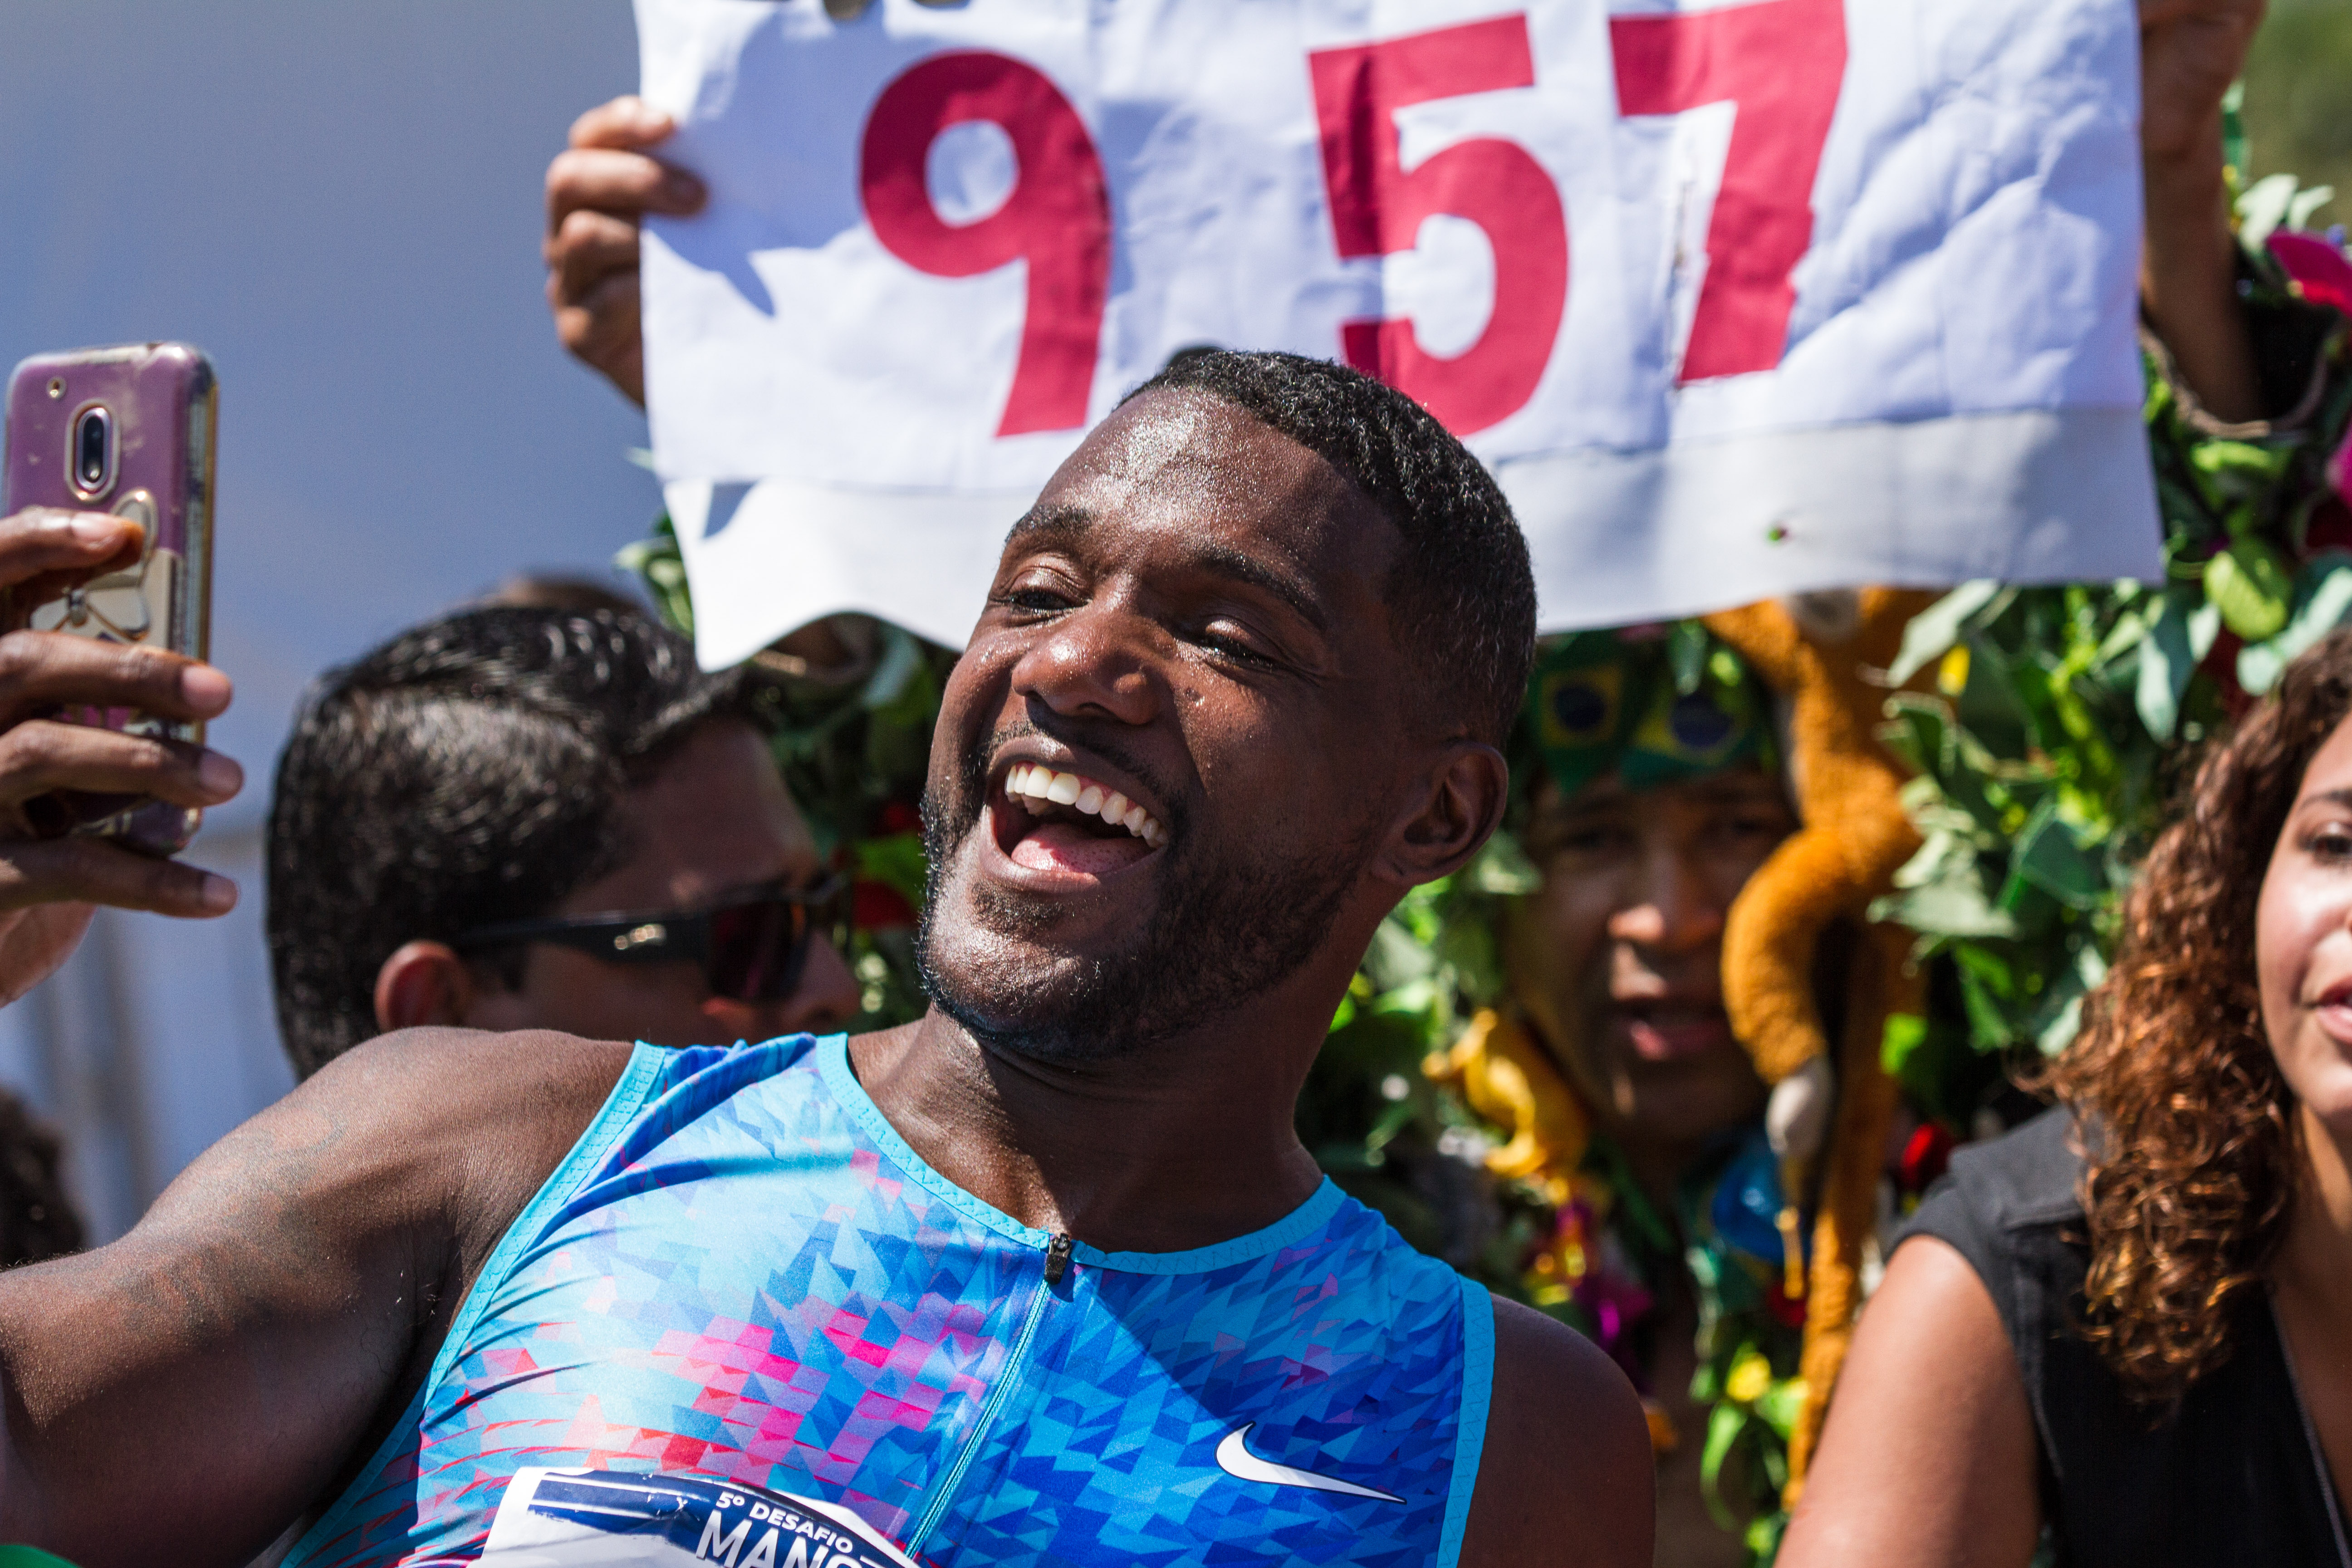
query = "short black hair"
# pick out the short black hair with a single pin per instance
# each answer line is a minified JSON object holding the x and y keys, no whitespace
{"x":1462,"y":596}
{"x":465,"y":773}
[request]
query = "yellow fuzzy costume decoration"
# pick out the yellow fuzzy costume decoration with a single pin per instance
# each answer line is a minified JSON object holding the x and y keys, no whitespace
{"x":1819,"y":653}
{"x":1508,"y":1080}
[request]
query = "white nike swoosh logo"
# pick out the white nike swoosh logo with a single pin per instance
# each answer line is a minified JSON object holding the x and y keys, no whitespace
{"x":1234,"y":1458}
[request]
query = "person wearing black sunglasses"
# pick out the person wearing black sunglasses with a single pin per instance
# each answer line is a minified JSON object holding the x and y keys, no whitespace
{"x":543,"y":817}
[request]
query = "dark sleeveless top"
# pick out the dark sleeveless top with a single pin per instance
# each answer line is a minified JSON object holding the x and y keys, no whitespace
{"x":2230,"y":1476}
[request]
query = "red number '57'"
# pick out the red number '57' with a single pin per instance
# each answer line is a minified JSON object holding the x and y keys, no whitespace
{"x":1377,"y":207}
{"x":1782,"y":62}
{"x":1057,"y":217}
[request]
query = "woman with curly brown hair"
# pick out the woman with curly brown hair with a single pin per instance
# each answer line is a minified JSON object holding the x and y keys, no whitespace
{"x":2129,"y":1323}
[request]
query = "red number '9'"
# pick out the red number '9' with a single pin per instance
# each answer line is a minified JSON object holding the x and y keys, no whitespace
{"x":1057,"y":217}
{"x":1782,"y":62}
{"x":1377,"y":208}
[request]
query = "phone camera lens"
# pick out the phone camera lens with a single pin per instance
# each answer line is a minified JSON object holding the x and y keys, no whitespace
{"x":93,"y":451}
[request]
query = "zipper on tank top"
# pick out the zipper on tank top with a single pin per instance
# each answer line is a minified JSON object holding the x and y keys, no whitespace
{"x":1056,"y":1264}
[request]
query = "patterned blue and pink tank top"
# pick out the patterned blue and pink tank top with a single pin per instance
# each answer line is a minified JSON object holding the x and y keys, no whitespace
{"x":742,"y":1273}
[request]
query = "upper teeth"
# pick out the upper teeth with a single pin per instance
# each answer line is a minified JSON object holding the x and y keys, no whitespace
{"x":1040,"y":783}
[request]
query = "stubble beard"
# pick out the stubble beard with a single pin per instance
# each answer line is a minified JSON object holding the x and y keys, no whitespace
{"x":1226,"y":931}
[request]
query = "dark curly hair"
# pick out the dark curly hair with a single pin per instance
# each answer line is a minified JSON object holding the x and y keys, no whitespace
{"x":1461,"y":596}
{"x":2189,"y":1126}
{"x":466,"y":773}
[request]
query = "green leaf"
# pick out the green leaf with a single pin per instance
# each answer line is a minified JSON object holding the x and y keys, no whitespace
{"x":34,"y":1557}
{"x":1939,"y":1064}
{"x":2263,"y":208}
{"x":2204,"y":625}
{"x":1953,"y":907}
{"x":2047,"y":856}
{"x":1395,"y":957}
{"x":1934,"y":630}
{"x":2322,"y":602}
{"x":2242,"y":461}
{"x":901,"y":657}
{"x":2165,"y":666}
{"x":1920,"y":733}
{"x":1686,"y":647}
{"x":657,"y":562}
{"x":1780,"y":1405}
{"x":1905,"y":1034}
{"x":2249,"y":584}
{"x":897,"y":862}
{"x":2062,"y":1010}
{"x":1724,"y":1425}
{"x":1414,"y":999}
{"x":1503,"y":867}
{"x":1763,"y":1537}
{"x":2129,"y":632}
{"x":1983,"y":982}
{"x":1988,"y":969}
{"x":2233,"y":135}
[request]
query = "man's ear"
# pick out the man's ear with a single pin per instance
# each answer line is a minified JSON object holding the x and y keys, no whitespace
{"x":1462,"y":800}
{"x":422,"y":982}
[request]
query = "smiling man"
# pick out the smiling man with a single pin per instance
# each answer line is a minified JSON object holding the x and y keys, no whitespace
{"x":1044,"y":1277}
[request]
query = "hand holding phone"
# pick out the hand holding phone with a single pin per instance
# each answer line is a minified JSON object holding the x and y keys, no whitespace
{"x":48,"y":885}
{"x":127,"y":430}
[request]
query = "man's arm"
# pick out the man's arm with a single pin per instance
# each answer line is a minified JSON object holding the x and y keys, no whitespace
{"x":1566,"y":1480}
{"x":2191,"y":51}
{"x":181,"y":1395}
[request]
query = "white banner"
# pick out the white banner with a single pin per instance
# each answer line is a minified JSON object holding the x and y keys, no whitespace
{"x":1736,"y":299}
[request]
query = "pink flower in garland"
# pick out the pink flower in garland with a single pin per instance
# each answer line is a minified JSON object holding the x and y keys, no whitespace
{"x":2322,"y":275}
{"x":1616,"y":1304}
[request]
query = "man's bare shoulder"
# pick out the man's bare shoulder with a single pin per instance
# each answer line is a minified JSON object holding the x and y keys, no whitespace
{"x":498,"y":1108}
{"x":1566,"y":1478}
{"x":456,"y":1127}
{"x":464,"y":1074}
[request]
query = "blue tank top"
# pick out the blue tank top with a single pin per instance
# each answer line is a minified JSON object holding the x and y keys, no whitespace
{"x":742,"y":1273}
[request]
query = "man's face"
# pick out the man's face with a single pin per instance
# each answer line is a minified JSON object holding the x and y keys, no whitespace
{"x":714,"y":818}
{"x":1619,"y":959}
{"x":1188,"y":618}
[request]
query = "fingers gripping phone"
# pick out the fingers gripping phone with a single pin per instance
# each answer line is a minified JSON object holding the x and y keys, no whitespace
{"x":128,"y":430}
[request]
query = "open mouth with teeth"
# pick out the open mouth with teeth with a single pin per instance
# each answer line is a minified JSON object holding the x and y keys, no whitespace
{"x":1068,"y":822}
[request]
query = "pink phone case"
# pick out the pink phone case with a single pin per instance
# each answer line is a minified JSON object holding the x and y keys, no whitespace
{"x":128,"y":430}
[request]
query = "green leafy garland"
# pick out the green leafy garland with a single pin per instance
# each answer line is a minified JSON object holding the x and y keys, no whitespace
{"x":2063,"y":715}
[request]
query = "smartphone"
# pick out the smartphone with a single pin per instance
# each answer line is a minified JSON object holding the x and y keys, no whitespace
{"x":128,"y":430}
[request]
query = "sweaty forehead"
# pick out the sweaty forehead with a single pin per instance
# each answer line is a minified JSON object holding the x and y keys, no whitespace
{"x":1184,"y":466}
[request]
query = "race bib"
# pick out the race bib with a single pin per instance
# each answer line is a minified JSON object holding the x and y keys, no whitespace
{"x":571,"y":1519}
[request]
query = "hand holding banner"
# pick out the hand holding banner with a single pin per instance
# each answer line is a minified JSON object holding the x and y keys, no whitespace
{"x":1736,"y":299}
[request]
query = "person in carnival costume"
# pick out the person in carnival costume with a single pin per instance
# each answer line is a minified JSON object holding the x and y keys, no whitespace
{"x":1631,"y":1118}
